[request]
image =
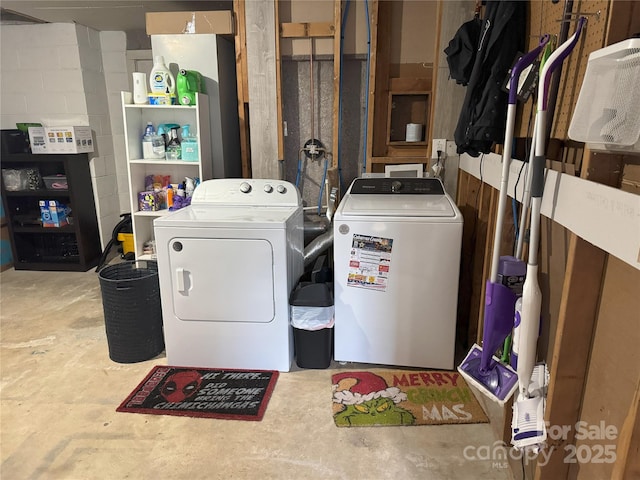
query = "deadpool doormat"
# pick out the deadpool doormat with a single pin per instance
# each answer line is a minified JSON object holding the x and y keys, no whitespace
{"x":203,"y":392}
{"x":403,"y":397}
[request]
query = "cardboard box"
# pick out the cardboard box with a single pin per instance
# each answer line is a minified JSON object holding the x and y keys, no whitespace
{"x":38,"y":140}
{"x":169,"y":23}
{"x":61,"y":139}
{"x":53,"y":213}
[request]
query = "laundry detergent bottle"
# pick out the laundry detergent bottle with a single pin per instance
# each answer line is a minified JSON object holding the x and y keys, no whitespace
{"x":161,"y":79}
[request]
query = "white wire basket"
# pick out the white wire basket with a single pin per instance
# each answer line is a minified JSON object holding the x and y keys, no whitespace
{"x":607,"y":114}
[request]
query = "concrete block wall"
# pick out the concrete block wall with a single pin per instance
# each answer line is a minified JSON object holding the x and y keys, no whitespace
{"x":53,"y":74}
{"x":114,"y":62}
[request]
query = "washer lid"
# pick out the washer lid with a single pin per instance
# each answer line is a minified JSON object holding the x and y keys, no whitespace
{"x":216,"y":216}
{"x":392,"y":205}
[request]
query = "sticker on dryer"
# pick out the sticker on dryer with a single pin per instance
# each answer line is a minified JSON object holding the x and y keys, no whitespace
{"x":369,"y":262}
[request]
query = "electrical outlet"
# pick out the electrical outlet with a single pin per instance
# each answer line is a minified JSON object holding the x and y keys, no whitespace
{"x":439,"y":144}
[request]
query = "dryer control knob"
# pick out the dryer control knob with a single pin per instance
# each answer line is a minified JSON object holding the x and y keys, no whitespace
{"x":281,"y":189}
{"x":396,"y":186}
{"x":245,"y":187}
{"x":268,"y":188}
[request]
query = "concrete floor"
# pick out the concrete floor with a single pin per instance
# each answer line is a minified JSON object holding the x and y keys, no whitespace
{"x":59,"y":392}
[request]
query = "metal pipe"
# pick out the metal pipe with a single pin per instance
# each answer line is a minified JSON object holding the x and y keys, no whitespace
{"x":311,"y":89}
{"x":317,"y":246}
{"x":315,"y":228}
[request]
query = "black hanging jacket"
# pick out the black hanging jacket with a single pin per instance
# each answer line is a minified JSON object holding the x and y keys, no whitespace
{"x":483,"y":117}
{"x":461,"y":51}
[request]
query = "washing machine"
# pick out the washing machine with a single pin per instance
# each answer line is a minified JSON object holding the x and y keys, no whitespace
{"x":397,"y":244}
{"x":226,"y":265}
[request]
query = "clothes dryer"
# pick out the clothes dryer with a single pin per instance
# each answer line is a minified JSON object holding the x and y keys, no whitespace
{"x":227,"y":264}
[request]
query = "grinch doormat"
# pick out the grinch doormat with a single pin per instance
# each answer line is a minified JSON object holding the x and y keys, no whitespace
{"x":203,"y":392}
{"x":403,"y":397}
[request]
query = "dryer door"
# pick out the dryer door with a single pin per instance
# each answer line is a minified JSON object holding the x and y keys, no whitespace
{"x":222,"y":279}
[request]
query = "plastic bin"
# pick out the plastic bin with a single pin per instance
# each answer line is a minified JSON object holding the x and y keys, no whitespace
{"x":312,"y":319}
{"x":55,"y":182}
{"x":132,"y":311}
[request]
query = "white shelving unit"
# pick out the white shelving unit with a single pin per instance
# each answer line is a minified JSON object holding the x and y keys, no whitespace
{"x":138,"y":168}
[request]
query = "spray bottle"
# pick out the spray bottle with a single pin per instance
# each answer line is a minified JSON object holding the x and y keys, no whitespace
{"x":174,"y":147}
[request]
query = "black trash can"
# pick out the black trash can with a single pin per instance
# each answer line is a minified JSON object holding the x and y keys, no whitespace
{"x":312,"y":321}
{"x":132,"y":311}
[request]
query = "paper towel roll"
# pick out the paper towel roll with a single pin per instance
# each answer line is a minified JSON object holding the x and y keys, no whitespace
{"x":414,"y":132}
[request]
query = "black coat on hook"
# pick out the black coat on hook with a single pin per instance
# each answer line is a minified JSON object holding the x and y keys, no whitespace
{"x":483,"y":117}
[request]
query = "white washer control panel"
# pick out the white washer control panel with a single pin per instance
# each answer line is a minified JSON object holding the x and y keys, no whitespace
{"x":238,"y":191}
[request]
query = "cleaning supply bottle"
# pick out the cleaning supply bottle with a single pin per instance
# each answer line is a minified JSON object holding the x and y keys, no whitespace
{"x":152,"y":143}
{"x":189,"y":145}
{"x":161,"y":79}
{"x":188,"y":83}
{"x":174,"y":147}
{"x":162,"y":131}
{"x":148,"y":130}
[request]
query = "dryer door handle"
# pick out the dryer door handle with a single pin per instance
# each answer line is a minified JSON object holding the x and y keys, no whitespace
{"x":181,"y":276}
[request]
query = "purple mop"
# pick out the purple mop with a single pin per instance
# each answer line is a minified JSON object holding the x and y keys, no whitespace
{"x":480,"y":367}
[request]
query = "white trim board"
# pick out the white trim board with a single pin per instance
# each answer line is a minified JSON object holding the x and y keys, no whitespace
{"x":607,"y":217}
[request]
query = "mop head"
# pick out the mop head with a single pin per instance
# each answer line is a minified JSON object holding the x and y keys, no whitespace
{"x":528,"y":429}
{"x":498,"y":382}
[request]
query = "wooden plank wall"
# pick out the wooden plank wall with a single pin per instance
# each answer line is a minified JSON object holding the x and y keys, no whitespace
{"x":261,"y":71}
{"x":243,"y":86}
{"x":544,"y":18}
{"x":590,"y":317}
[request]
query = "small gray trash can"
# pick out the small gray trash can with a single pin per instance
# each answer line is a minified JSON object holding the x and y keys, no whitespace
{"x":132,"y":311}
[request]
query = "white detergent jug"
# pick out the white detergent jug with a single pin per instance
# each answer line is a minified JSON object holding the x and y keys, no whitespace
{"x":161,"y":79}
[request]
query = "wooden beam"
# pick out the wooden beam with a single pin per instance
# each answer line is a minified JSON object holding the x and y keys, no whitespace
{"x":434,"y":78}
{"x":623,"y":20}
{"x":628,"y":449}
{"x":575,"y":327}
{"x":243,"y":87}
{"x":261,"y":69}
{"x":307,"y":29}
{"x":373,"y":46}
{"x":468,"y":194}
{"x":279,"y":87}
{"x":398,"y":160}
{"x":380,"y":59}
{"x":568,"y":370}
{"x":337,"y":21}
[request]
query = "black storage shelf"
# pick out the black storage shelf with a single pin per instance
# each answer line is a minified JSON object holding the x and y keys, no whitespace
{"x":43,"y":230}
{"x":74,"y":247}
{"x":41,"y":192}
